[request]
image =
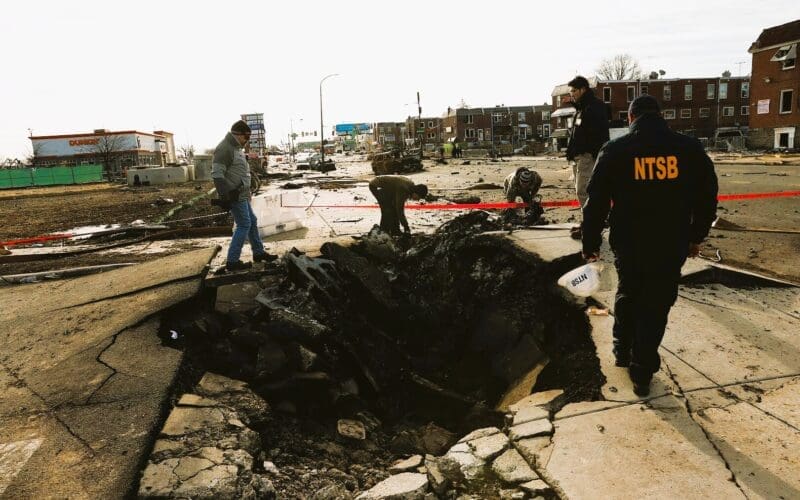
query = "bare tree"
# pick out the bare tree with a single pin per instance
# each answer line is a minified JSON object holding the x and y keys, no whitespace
{"x":187,"y":150}
{"x":34,"y":151}
{"x":106,"y":148}
{"x":620,"y":67}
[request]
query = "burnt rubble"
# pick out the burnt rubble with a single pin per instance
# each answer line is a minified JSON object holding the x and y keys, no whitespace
{"x":417,"y":339}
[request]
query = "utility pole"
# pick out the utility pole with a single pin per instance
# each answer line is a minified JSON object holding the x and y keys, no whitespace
{"x":419,"y":119}
{"x":291,"y":140}
{"x":321,"y":125}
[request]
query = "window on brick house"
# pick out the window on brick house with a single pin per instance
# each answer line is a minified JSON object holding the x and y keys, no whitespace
{"x":667,"y":93}
{"x":686,"y":113}
{"x":687,"y":93}
{"x":727,"y":111}
{"x":606,"y":94}
{"x":704,"y":112}
{"x":521,"y":116}
{"x":546,"y":130}
{"x":622,"y":115}
{"x":745,"y":90}
{"x":545,"y":115}
{"x":496,"y":117}
{"x":711,"y":91}
{"x":430,"y":124}
{"x":470,"y":132}
{"x":723,"y":90}
{"x":744,"y":111}
{"x":645,"y":90}
{"x":786,"y":55}
{"x":470,"y":119}
{"x":631,"y":94}
{"x":786,"y":101}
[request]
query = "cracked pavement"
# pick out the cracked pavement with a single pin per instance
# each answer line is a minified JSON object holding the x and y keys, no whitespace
{"x":84,"y":377}
{"x":723,"y":415}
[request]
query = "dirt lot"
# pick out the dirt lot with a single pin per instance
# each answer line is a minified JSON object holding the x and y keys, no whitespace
{"x":32,"y":212}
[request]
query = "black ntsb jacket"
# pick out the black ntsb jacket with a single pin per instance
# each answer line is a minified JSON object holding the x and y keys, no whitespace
{"x":589,"y":128}
{"x":663,"y":188}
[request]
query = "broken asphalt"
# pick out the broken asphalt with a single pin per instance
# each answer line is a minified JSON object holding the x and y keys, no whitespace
{"x":722,"y":419}
{"x":84,"y":378}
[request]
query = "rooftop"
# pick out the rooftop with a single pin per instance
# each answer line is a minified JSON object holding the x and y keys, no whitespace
{"x":777,"y":35}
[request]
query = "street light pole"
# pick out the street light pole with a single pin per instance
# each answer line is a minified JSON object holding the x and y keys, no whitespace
{"x":291,"y":141}
{"x":321,"y":125}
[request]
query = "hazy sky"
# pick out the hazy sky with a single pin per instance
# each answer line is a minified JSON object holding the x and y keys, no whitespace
{"x":192,"y":67}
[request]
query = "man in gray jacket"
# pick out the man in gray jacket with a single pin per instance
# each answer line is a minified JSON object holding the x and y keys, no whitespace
{"x":231,"y":174}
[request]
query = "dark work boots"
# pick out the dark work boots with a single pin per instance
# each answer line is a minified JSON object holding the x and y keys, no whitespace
{"x":264,"y":257}
{"x":641,"y":389}
{"x":622,"y":356}
{"x":238,"y":266}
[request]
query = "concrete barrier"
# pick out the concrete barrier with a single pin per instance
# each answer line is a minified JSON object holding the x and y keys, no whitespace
{"x":202,"y":171}
{"x":158,"y":175}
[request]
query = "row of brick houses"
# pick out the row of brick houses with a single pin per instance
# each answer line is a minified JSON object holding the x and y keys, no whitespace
{"x":763,"y":106}
{"x":500,"y":125}
{"x":695,"y":106}
{"x":512,"y":126}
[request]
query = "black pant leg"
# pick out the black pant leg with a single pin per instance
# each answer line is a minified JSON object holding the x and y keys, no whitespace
{"x":659,"y":292}
{"x":625,"y":308}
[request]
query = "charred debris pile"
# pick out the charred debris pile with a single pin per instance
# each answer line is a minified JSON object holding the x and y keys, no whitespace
{"x":431,"y":329}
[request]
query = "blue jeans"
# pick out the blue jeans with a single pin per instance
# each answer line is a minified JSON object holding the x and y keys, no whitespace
{"x":246,"y":228}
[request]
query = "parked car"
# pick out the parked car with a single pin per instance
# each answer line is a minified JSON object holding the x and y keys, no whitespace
{"x":307,"y":160}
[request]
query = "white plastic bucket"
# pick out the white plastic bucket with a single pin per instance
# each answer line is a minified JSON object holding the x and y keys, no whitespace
{"x":582,"y":281}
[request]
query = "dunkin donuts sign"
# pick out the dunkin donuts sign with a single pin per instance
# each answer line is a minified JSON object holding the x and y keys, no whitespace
{"x":84,"y":142}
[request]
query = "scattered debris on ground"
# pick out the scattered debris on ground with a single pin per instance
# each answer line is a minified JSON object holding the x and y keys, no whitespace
{"x":395,"y":162}
{"x":392,"y":348}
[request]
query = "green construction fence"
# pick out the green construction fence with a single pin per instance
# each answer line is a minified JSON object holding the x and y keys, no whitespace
{"x":49,"y":176}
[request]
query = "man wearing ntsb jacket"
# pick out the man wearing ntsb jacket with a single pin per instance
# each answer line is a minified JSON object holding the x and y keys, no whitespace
{"x":664,"y":193}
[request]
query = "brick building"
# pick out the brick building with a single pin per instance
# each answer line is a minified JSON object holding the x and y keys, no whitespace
{"x":389,"y":134}
{"x":512,"y":126}
{"x":424,"y":130}
{"x":694,"y":106}
{"x":115,"y":150}
{"x":775,"y":92}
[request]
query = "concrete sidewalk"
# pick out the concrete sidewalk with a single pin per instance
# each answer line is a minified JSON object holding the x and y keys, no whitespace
{"x":723,"y":416}
{"x":84,"y":377}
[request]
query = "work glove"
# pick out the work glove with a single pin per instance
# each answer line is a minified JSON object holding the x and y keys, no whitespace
{"x":233,"y":195}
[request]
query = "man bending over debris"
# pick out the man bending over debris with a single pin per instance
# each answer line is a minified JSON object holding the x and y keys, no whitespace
{"x":664,"y":191}
{"x":231,"y":174}
{"x":522,"y":183}
{"x":392,"y":191}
